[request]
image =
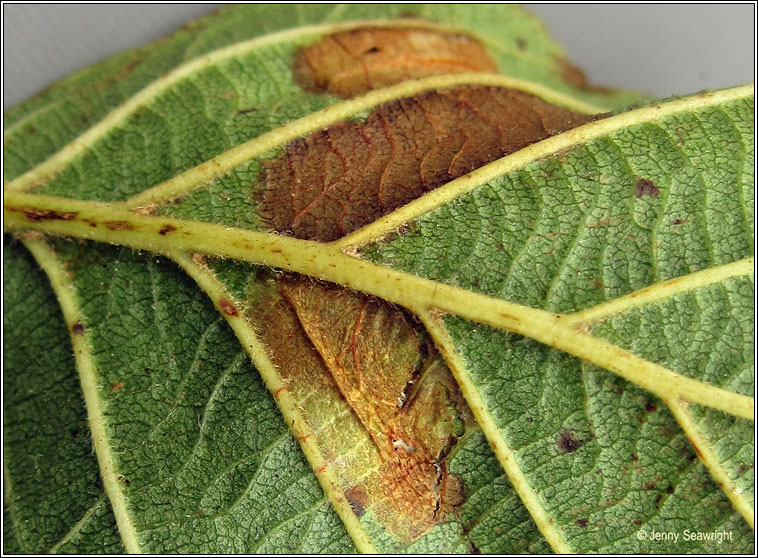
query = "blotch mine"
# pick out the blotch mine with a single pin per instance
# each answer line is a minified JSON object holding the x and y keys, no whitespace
{"x":335,"y":181}
{"x":353,"y":62}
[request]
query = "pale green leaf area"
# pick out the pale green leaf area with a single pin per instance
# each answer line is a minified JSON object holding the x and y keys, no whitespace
{"x":592,"y":295}
{"x":705,"y":334}
{"x":54,"y":500}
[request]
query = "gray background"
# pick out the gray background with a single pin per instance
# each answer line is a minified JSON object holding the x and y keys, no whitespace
{"x":660,"y":49}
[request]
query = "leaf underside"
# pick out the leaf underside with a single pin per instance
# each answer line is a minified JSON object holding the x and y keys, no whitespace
{"x":466,"y":402}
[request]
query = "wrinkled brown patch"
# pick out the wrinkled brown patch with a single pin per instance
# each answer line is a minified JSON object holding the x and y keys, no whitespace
{"x":402,"y":393}
{"x":330,"y":342}
{"x":645,"y":188}
{"x":165,"y":229}
{"x":353,"y":62}
{"x":335,"y":181}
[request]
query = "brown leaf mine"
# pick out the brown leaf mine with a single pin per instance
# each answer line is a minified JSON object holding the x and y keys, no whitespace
{"x":335,"y":181}
{"x":353,"y":62}
{"x":398,"y":409}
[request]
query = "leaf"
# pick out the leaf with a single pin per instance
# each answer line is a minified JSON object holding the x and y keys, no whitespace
{"x":552,"y":351}
{"x":53,"y":493}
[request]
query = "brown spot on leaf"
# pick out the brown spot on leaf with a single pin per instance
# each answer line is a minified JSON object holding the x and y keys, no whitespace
{"x":227,"y":307}
{"x":742,"y":469}
{"x":78,"y":328}
{"x":118,"y":225}
{"x":582,"y":523}
{"x":687,"y":454}
{"x":335,"y":181}
{"x":165,"y":229}
{"x":669,"y":489}
{"x":37,"y":215}
{"x":568,"y":443}
{"x":117,"y":386}
{"x":645,"y":188}
{"x":246,"y":111}
{"x":352,"y":62}
{"x":651,"y":407}
{"x":358,"y":499}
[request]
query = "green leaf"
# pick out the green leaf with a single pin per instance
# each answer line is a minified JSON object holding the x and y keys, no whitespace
{"x":54,"y":499}
{"x":591,"y":294}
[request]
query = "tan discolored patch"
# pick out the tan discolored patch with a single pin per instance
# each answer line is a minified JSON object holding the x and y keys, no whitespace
{"x":363,"y":375}
{"x":337,"y":180}
{"x":353,"y":62}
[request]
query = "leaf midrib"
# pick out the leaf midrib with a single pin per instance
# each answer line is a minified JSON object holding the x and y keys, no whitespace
{"x":329,"y":263}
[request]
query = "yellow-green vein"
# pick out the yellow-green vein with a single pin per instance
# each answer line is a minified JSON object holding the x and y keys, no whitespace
{"x":77,"y":526}
{"x":498,"y":443}
{"x":661,"y":291}
{"x":215,"y":290}
{"x":67,"y":298}
{"x":115,"y":224}
{"x":709,"y":459}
